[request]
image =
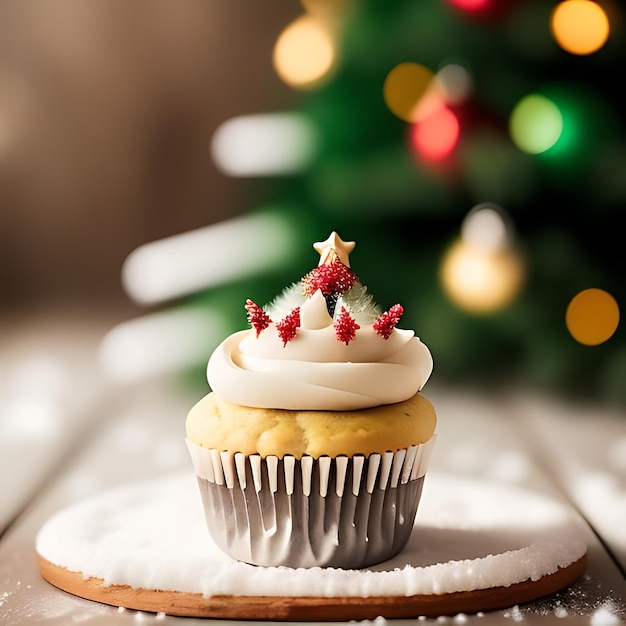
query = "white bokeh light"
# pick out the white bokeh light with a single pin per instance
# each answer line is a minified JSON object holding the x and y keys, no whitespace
{"x":189,"y":262}
{"x":485,"y":228}
{"x":271,"y":144}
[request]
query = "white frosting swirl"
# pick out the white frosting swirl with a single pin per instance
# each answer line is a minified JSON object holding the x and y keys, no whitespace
{"x":316,"y":371}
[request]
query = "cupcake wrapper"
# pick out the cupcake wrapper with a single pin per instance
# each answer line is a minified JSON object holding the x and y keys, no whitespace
{"x":348,"y":512}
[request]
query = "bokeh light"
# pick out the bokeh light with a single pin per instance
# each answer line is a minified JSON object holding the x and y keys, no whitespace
{"x":589,"y":122}
{"x":592,"y":316}
{"x":264,"y":144}
{"x":435,"y":137}
{"x":185,"y":263}
{"x":478,"y":281}
{"x":485,"y":228}
{"x":304,"y":53}
{"x":535,"y":124}
{"x":412,"y":92}
{"x":579,"y":26}
{"x":471,"y":6}
{"x":160,"y":343}
{"x":456,"y":83}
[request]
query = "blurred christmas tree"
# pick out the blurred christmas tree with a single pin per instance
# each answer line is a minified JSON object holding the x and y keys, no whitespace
{"x":475,"y":152}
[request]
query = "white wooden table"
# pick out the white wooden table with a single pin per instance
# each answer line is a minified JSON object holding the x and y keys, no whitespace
{"x":66,"y":433}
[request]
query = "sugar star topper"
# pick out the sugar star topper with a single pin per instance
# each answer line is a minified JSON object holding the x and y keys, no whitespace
{"x":333,"y":249}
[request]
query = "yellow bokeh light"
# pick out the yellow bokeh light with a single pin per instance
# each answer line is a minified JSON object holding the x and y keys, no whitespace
{"x":592,"y":316}
{"x":481,"y":282}
{"x":304,"y":52}
{"x":580,"y":26}
{"x":412,"y":92}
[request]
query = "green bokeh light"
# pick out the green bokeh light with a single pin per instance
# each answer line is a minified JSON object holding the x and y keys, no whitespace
{"x":536,"y":124}
{"x":587,"y":126}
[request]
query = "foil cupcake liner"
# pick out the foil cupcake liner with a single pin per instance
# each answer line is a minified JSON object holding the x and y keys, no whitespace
{"x":347,"y":512}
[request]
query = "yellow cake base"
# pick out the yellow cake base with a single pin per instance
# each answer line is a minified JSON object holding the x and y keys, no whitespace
{"x":215,"y":423}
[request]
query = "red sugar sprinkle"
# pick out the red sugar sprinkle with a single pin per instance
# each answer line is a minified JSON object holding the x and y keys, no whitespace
{"x":385,"y":324}
{"x":345,"y":326}
{"x":331,"y":279}
{"x":257,"y":317}
{"x":288,"y":326}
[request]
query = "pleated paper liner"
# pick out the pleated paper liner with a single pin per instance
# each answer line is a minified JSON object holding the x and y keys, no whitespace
{"x":348,"y":512}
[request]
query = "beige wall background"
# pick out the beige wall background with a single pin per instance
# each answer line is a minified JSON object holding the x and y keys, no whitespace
{"x":107,"y":109}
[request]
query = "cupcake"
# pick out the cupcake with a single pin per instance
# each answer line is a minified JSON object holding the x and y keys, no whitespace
{"x":312,"y":446}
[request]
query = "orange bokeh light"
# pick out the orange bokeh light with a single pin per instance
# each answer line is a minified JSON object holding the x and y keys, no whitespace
{"x":579,"y":26}
{"x":592,"y":316}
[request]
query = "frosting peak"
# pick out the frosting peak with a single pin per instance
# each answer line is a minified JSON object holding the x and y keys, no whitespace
{"x":331,"y":349}
{"x":314,"y":312}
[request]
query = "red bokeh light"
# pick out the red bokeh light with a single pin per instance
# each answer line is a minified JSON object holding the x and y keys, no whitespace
{"x":436,"y":137}
{"x":472,"y":6}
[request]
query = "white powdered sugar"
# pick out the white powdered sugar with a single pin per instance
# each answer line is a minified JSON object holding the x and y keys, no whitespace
{"x":468,"y":535}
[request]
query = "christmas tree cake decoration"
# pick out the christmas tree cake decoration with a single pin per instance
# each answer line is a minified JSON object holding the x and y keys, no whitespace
{"x":288,"y":326}
{"x":345,"y":326}
{"x":385,"y":324}
{"x":330,"y":294}
{"x":333,"y":278}
{"x":257,"y":317}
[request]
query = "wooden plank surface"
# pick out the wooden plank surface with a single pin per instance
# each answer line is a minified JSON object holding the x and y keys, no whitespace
{"x":583,"y":448}
{"x":50,"y":388}
{"x":140,"y":436}
{"x":123,"y":435}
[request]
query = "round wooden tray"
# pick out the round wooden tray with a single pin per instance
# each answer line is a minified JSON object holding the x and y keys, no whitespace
{"x":303,"y":608}
{"x":169,"y":526}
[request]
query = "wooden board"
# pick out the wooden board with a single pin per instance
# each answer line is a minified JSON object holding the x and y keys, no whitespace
{"x":281,"y":608}
{"x":477,"y":547}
